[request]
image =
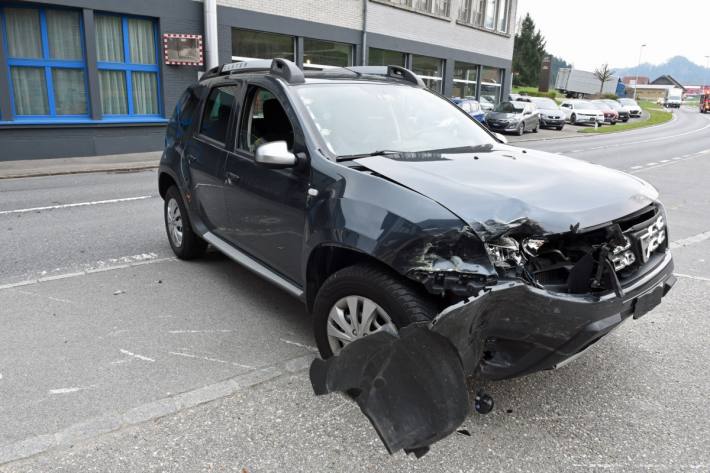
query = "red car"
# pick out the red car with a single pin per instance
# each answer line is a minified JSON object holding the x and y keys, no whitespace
{"x":704,"y":103}
{"x":611,"y":116}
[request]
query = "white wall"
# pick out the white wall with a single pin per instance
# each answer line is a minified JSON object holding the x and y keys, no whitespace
{"x":387,"y":20}
{"x":343,"y":13}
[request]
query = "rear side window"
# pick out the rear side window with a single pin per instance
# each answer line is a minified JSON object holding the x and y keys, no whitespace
{"x":218,"y":109}
{"x":184,"y":113}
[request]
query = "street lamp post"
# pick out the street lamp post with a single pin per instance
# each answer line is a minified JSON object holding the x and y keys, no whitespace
{"x":636,"y":85}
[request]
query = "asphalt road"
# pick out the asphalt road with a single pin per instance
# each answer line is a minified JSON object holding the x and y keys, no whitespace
{"x":116,"y":357}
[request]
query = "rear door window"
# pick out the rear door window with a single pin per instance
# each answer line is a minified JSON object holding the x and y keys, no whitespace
{"x":218,"y":109}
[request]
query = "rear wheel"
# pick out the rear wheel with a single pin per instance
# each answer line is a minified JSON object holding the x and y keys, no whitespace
{"x":186,"y":244}
{"x":363,"y":299}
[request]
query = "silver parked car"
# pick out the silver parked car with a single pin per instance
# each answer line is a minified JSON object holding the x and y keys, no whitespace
{"x":550,"y":114}
{"x":514,"y":117}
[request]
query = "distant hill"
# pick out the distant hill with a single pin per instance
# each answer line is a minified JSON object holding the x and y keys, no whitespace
{"x":680,"y":67}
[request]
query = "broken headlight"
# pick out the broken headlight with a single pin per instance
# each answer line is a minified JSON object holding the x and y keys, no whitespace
{"x":504,"y":253}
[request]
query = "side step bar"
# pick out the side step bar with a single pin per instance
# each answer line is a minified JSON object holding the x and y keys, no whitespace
{"x":252,"y":264}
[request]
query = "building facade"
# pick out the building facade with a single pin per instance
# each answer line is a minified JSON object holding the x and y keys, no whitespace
{"x":90,"y":77}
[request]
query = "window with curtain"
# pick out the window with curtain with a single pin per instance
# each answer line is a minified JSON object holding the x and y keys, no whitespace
{"x":46,"y":62}
{"x":126,"y":53}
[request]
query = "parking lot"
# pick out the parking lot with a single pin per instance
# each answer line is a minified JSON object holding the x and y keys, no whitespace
{"x":117,"y":357}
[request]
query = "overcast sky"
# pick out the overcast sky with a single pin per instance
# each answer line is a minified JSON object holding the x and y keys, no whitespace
{"x":588,"y":33}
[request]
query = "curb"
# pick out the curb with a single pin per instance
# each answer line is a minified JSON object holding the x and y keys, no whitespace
{"x":151,"y":411}
{"x":25,"y":174}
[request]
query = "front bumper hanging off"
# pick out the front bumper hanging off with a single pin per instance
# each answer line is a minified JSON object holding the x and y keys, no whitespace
{"x":412,"y":386}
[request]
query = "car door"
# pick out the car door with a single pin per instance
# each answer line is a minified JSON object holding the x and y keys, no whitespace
{"x":267,"y":207}
{"x":206,"y":154}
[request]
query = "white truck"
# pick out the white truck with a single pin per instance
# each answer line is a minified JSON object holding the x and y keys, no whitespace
{"x":674,"y":98}
{"x":575,"y":83}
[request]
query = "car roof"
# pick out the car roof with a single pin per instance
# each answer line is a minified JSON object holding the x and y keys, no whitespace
{"x":290,"y":73}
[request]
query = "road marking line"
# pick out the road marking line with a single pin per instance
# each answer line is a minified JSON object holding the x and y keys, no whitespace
{"x":135,"y":355}
{"x":688,"y":276}
{"x":78,"y":204}
{"x":307,"y":347}
{"x":636,"y":167}
{"x":664,"y":160}
{"x":200,"y":331}
{"x":207,"y":358}
{"x":652,"y":163}
{"x":82,"y":273}
{"x":651,"y":140}
{"x":69,"y":390}
{"x":690,"y":240}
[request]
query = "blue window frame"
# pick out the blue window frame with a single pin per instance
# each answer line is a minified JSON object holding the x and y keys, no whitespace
{"x":127,"y":61}
{"x":46,"y":63}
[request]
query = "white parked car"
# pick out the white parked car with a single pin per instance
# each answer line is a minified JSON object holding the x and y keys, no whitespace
{"x":581,"y":111}
{"x":632,"y":106}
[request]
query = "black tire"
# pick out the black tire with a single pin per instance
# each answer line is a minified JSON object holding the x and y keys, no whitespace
{"x":399,"y":298}
{"x":573,"y":119}
{"x":559,"y":128}
{"x":625,"y":120}
{"x":191,"y":246}
{"x":521,"y":129}
{"x":537,"y":126}
{"x":613,"y":123}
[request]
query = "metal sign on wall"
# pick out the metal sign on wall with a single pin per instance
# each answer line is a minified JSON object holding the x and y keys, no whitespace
{"x":183,"y":49}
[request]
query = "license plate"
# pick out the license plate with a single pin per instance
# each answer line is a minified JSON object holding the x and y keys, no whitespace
{"x":646,"y":303}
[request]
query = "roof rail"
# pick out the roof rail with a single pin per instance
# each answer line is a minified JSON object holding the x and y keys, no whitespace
{"x":397,"y":72}
{"x":287,"y":70}
{"x":278,"y":67}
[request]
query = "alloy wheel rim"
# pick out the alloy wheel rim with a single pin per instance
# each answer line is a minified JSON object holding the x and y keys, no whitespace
{"x":174,"y":218}
{"x":354,"y":317}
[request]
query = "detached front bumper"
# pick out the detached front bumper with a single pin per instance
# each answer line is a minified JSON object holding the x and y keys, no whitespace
{"x":529,"y":329}
{"x":412,"y":386}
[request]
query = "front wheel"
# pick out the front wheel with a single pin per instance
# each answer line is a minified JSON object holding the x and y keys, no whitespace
{"x":521,"y":129}
{"x":573,"y":119}
{"x":363,"y":299}
{"x":186,"y":244}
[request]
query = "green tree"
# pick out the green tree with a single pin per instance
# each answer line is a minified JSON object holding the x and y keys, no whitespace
{"x":528,"y":52}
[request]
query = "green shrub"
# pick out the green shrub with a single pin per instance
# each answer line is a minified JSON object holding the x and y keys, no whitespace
{"x":610,"y":96}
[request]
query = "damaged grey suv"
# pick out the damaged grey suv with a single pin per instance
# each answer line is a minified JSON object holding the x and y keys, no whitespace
{"x":425,"y":248}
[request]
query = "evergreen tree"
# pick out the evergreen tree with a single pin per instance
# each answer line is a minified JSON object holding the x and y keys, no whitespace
{"x":528,"y":52}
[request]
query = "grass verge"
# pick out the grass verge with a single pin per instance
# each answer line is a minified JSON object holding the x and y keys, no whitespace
{"x":656,"y":117}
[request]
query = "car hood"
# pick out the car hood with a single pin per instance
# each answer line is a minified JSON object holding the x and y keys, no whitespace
{"x":502,"y":116}
{"x":498,"y":188}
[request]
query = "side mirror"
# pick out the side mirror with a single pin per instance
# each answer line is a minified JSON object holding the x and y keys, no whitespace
{"x":501,"y":138}
{"x":275,"y":155}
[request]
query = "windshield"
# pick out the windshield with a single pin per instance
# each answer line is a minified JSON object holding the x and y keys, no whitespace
{"x":545,"y":103}
{"x":601,"y":105}
{"x":628,"y":102}
{"x":509,"y":107}
{"x":612,"y":104}
{"x":363,"y":118}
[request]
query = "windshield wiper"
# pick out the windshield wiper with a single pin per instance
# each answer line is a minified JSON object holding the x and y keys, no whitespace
{"x":384,"y":152}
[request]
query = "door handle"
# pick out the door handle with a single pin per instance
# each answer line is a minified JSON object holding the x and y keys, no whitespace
{"x":232,"y":178}
{"x":191,"y":158}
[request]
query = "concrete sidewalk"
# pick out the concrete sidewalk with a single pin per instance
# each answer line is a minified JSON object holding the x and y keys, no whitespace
{"x":56,"y":166}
